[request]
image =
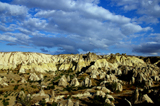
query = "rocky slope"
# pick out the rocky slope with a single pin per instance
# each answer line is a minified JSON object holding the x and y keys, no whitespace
{"x":81,"y":79}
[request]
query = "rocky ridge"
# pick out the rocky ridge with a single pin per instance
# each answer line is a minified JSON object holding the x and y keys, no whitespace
{"x":81,"y":79}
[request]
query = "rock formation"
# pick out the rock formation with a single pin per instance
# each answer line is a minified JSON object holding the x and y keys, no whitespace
{"x":147,"y":99}
{"x":86,"y":82}
{"x":80,"y":77}
{"x":34,"y":77}
{"x":74,"y":82}
{"x":62,"y":81}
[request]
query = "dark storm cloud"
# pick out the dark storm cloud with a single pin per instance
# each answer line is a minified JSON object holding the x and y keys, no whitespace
{"x":148,"y":48}
{"x":65,"y":45}
{"x":43,"y":50}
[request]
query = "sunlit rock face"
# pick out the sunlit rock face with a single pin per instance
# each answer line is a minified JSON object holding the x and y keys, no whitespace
{"x":38,"y":62}
{"x":28,"y":61}
{"x":71,"y":78}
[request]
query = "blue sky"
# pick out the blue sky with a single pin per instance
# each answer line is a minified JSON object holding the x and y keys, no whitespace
{"x":80,"y":26}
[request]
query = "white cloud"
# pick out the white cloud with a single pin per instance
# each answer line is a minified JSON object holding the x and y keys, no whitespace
{"x":153,"y":53}
{"x":75,"y":24}
{"x":156,"y":34}
{"x":7,"y":38}
{"x":4,"y":28}
{"x":150,"y":9}
{"x":130,"y":28}
{"x":147,"y":19}
{"x":13,"y":10}
{"x":34,"y":24}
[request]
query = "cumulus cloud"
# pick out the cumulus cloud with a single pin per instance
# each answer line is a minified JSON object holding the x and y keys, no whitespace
{"x":69,"y":25}
{"x":34,"y":24}
{"x":7,"y":38}
{"x":4,"y":28}
{"x":149,"y":9}
{"x":15,"y":11}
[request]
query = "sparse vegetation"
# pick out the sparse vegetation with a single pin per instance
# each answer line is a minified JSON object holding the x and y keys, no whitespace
{"x":22,"y":89}
{"x":82,"y":78}
{"x":12,"y":81}
{"x":25,"y":101}
{"x":5,"y":102}
{"x":16,"y":87}
{"x":99,"y":101}
{"x":43,"y":102}
{"x":50,"y":87}
{"x":34,"y":86}
{"x":67,"y":88}
{"x":54,"y":104}
{"x":6,"y":95}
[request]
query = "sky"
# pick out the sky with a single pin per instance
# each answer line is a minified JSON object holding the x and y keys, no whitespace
{"x":80,"y":26}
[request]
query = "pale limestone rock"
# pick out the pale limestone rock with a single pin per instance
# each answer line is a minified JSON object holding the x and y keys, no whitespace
{"x":156,"y":78}
{"x":105,"y":90}
{"x":119,"y":87}
{"x":86,"y":82}
{"x":133,"y":80}
{"x":125,"y":60}
{"x":90,"y":83}
{"x":21,"y":95}
{"x":100,"y":93}
{"x":58,"y":97}
{"x":80,"y":64}
{"x":77,"y":103}
{"x":74,"y":82}
{"x":34,"y":77}
{"x":40,"y":96}
{"x":101,"y":63}
{"x":135,"y":95}
{"x":109,"y":102}
{"x":91,"y":57}
{"x":111,"y":78}
{"x":150,"y":83}
{"x":69,"y":102}
{"x":102,"y":75}
{"x":140,"y":78}
{"x":119,"y":72}
{"x":41,"y":77}
{"x":84,"y":95}
{"x":73,"y":68}
{"x":109,"y":97}
{"x":68,"y":78}
{"x":89,"y":70}
{"x":10,"y":60}
{"x":22,"y":70}
{"x":147,"y":99}
{"x":103,"y":83}
{"x":94,"y":74}
{"x":65,"y":66}
{"x":62,"y":81}
{"x":3,"y":82}
{"x":52,"y":94}
{"x":129,"y":103}
{"x":23,"y":80}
